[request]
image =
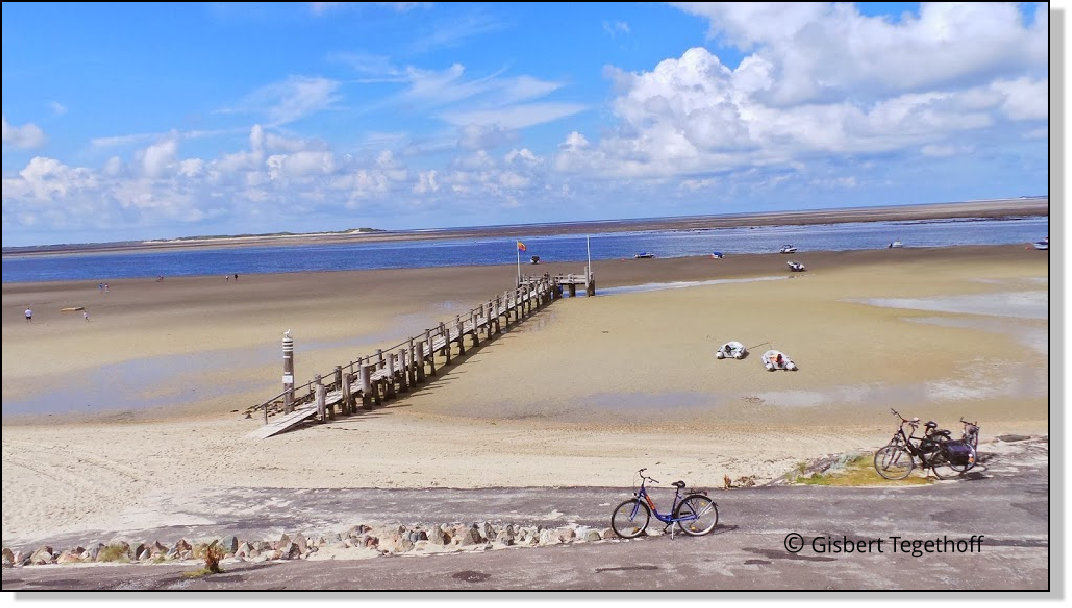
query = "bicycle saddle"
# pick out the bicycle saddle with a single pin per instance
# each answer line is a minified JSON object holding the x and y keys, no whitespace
{"x":931,"y":424}
{"x":679,"y":484}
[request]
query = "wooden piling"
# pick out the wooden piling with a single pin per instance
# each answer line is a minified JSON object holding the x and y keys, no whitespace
{"x":414,"y":362}
{"x":402,"y":371}
{"x":348,"y":395}
{"x":390,"y":392}
{"x":321,"y":393}
{"x":420,"y":362}
{"x":366,"y":386}
{"x":446,"y":341}
{"x":461,"y":336}
{"x":431,"y":352}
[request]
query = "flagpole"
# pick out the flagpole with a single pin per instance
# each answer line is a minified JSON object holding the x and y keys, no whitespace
{"x":518,"y":247}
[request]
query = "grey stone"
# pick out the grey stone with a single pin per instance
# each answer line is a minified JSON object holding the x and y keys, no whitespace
{"x":42,"y":556}
{"x":9,"y":558}
{"x":229,"y":544}
{"x":471,"y":536}
{"x":282,"y":543}
{"x":565,"y":534}
{"x":301,"y":542}
{"x":70,"y":556}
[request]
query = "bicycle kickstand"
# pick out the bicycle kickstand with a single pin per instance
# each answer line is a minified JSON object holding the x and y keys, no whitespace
{"x":671,"y":527}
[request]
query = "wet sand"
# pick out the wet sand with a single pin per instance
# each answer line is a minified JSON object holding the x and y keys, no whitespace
{"x":584,"y":393}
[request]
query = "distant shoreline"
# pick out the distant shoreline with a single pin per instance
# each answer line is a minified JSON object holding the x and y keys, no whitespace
{"x":994,"y":209}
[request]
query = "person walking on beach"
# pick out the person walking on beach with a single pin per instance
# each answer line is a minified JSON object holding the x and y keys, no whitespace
{"x":29,"y":314}
{"x":85,"y":315}
{"x":100,"y":287}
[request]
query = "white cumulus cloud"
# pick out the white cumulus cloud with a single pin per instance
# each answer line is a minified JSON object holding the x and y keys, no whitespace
{"x":28,"y":136}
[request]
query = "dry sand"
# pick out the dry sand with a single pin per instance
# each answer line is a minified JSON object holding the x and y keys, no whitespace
{"x":584,"y":393}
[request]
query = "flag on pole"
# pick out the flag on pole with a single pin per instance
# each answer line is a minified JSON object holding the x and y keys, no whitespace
{"x":520,"y":246}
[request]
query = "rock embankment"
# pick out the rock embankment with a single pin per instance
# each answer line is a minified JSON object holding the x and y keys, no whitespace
{"x":361,"y":541}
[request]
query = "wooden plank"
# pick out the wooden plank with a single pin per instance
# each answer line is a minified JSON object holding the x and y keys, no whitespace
{"x":285,"y":423}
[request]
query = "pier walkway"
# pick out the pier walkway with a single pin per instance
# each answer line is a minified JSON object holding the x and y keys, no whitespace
{"x":373,"y":379}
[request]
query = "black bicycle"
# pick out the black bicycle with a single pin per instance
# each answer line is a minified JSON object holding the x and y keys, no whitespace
{"x":934,"y":450}
{"x":971,"y":433}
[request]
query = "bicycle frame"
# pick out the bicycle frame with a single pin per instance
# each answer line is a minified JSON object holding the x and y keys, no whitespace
{"x":669,"y":518}
{"x":916,"y":450}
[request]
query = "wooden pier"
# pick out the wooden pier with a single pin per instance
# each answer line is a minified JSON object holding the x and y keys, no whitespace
{"x":373,"y":379}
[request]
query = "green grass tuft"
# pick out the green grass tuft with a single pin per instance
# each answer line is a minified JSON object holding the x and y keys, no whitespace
{"x":859,"y":471}
{"x":113,"y":553}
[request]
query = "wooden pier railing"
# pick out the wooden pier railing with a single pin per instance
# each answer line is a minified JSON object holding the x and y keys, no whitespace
{"x":372,"y":379}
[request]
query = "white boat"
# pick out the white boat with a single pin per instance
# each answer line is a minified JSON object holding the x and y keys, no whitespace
{"x":643,"y":255}
{"x":787,"y":249}
{"x":795,"y":266}
{"x":1043,"y":245}
{"x":896,"y":245}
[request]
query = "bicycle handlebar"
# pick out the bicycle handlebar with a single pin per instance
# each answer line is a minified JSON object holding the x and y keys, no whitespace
{"x":913,"y":422}
{"x":643,"y":476}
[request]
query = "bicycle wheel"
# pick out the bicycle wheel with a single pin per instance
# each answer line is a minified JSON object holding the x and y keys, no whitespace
{"x":894,"y":462}
{"x":696,"y":514}
{"x":630,"y":518}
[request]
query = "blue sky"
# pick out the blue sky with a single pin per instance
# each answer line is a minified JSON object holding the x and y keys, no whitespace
{"x":144,"y":121}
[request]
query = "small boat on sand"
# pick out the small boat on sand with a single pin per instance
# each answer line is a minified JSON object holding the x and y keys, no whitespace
{"x":896,"y":245}
{"x":1043,"y":245}
{"x":643,"y":255}
{"x":787,"y":249}
{"x":718,"y":255}
{"x":795,"y":266}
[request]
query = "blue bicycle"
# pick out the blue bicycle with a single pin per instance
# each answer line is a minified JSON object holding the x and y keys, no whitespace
{"x":695,"y":514}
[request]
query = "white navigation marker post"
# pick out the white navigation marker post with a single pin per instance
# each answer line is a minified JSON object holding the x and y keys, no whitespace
{"x":288,"y":372}
{"x":589,"y":277}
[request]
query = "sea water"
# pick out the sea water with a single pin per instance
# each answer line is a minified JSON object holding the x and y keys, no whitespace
{"x":498,"y":250}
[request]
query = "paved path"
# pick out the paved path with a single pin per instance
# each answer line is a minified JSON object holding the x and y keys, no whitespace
{"x":1006,"y":504}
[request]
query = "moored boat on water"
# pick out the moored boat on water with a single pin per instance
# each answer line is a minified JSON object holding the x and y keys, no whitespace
{"x":643,"y":255}
{"x":1043,"y":245}
{"x":787,"y":249}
